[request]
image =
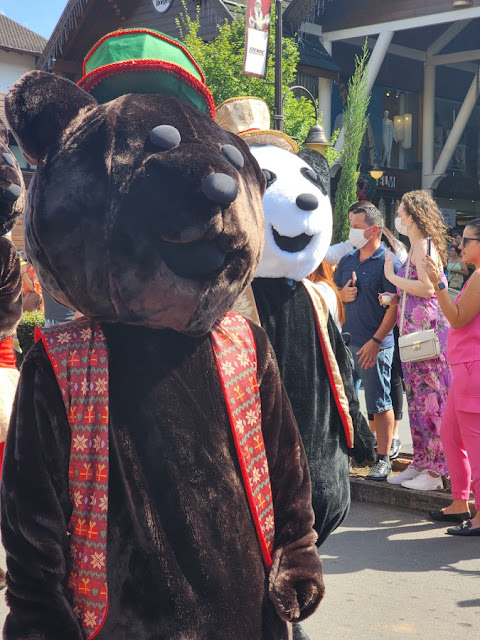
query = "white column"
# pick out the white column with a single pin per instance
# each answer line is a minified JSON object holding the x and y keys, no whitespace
{"x":375,"y":62}
{"x":325,"y":104}
{"x":325,"y":97}
{"x":458,"y":127}
{"x":377,"y":57}
{"x":428,"y":123}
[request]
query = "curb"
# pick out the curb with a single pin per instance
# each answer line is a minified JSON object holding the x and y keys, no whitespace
{"x":395,"y":495}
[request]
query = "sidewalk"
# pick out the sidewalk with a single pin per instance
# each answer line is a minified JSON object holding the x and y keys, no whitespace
{"x":364,"y":490}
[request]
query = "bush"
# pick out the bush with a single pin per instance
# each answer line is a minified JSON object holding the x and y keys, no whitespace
{"x":26,"y":330}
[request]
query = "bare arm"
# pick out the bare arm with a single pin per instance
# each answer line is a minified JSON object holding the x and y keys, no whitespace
{"x":458,"y":314}
{"x":422,"y":288}
{"x":464,"y":269}
{"x":369,"y":352}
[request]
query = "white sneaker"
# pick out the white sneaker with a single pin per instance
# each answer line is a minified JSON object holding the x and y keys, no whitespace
{"x":407,"y":474}
{"x":424,"y":482}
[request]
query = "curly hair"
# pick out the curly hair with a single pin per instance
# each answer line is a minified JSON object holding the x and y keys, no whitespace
{"x":428,"y":218}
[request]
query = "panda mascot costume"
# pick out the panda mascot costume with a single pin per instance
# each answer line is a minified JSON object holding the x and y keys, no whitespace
{"x":313,"y":360}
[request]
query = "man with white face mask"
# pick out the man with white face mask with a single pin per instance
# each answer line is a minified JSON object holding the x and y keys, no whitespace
{"x":360,"y":278}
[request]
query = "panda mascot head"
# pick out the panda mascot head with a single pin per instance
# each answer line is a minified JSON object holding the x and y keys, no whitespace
{"x":296,"y":206}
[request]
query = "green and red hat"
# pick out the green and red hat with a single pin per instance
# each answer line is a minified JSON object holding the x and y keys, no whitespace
{"x":145,"y":61}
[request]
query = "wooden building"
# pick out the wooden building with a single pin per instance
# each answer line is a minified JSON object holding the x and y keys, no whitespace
{"x":84,"y":22}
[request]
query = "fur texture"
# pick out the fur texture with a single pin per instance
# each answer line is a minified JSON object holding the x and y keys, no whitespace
{"x":183,"y":557}
{"x":100,"y":179}
{"x":111,"y":221}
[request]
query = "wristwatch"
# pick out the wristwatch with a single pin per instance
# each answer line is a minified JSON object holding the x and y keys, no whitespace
{"x":439,"y":286}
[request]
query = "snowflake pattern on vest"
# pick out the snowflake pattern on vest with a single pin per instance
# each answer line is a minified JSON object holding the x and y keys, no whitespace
{"x":234,"y":348}
{"x":78,"y":355}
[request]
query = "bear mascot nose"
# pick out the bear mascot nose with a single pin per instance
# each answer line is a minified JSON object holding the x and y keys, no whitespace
{"x":307,"y":202}
{"x":220,"y":188}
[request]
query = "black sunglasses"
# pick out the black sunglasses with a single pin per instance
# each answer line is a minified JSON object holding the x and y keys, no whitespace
{"x":465,"y":241}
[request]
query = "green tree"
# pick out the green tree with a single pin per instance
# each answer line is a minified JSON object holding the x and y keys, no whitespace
{"x":222,"y":61}
{"x":354,"y":122}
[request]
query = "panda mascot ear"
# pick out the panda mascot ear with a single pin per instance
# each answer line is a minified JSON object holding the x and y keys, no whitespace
{"x":39,"y":107}
{"x":320,"y":165}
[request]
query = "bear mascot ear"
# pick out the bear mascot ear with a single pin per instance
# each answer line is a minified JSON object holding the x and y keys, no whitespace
{"x":39,"y":108}
{"x":320,"y":164}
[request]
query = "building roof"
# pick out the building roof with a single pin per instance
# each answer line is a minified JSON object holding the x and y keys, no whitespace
{"x":16,"y":37}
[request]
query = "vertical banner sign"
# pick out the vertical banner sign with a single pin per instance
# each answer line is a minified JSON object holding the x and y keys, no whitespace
{"x":257,"y":33}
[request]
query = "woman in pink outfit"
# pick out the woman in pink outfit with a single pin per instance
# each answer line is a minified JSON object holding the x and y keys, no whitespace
{"x":460,"y":430}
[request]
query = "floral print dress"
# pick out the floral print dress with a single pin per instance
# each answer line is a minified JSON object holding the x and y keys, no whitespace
{"x":426,"y":382}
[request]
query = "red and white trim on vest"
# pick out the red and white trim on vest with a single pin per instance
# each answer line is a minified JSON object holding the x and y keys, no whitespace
{"x":79,"y":357}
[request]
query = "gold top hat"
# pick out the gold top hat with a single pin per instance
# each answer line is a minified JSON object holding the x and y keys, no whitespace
{"x":249,"y":117}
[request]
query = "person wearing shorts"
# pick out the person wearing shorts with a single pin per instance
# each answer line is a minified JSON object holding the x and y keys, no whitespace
{"x":360,"y":279}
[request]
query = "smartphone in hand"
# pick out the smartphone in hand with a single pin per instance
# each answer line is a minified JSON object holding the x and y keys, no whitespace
{"x":354,"y":279}
{"x":429,"y":247}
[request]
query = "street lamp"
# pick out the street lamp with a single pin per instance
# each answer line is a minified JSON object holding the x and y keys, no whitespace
{"x":375,"y":172}
{"x":316,"y":138}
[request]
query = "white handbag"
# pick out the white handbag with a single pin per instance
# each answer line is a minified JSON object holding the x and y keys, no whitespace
{"x":419,"y":345}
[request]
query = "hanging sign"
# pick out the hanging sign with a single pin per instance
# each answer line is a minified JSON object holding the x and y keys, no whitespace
{"x":162,"y":6}
{"x":257,"y":34}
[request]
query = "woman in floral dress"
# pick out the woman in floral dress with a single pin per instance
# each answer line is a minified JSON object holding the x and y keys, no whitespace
{"x":427,"y":382}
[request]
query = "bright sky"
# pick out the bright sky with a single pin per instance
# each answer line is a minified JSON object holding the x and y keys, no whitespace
{"x":40,"y":16}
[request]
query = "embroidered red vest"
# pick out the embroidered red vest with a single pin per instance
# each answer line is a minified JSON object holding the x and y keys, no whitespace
{"x":78,"y":353}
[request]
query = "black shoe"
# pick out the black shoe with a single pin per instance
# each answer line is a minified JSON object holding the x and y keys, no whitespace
{"x":395,"y":448}
{"x":380,"y":471}
{"x":465,"y":529}
{"x":440,"y":516}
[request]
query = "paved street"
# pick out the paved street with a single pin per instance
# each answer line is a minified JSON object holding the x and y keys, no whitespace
{"x":391,"y":574}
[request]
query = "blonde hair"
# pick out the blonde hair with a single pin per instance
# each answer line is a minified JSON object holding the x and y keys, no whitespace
{"x":428,"y":218}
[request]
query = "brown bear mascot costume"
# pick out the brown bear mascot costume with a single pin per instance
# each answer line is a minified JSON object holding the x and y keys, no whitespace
{"x":155,"y":485}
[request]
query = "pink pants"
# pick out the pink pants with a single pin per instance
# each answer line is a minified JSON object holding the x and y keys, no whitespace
{"x":460,"y":430}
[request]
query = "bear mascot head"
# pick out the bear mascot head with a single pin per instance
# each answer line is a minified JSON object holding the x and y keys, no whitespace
{"x":142,"y":209}
{"x":162,"y":410}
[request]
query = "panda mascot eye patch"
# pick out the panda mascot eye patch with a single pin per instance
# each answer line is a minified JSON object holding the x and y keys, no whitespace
{"x":310,"y":174}
{"x":270,"y":177}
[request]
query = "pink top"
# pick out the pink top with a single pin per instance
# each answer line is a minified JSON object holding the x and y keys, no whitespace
{"x":463,"y":345}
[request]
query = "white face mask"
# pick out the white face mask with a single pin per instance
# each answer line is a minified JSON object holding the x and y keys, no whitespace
{"x":401,"y":228}
{"x":357,"y":237}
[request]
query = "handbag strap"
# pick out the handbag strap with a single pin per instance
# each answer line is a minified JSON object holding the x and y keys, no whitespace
{"x":404,"y":296}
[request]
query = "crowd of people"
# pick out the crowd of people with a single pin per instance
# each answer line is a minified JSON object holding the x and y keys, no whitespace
{"x":384,"y":288}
